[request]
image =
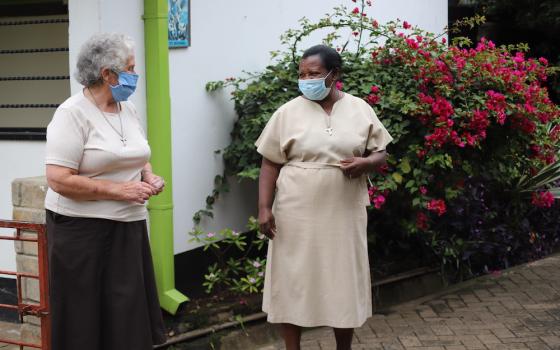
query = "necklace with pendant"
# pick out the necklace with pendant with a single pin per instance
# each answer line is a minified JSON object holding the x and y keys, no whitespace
{"x":329,"y":128}
{"x":121,"y":134}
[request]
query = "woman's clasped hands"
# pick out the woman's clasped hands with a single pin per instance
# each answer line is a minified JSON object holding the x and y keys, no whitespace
{"x":140,"y":191}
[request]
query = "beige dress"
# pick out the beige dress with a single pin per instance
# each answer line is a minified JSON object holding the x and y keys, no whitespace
{"x":317,"y":271}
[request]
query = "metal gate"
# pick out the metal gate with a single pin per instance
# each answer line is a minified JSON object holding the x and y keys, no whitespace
{"x":40,"y":310}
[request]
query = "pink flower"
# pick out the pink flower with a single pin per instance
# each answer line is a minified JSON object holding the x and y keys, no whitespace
{"x":413,"y":44}
{"x":479,"y":120}
{"x":422,"y":221}
{"x":406,"y":25}
{"x":519,"y":58}
{"x":543,"y":199}
{"x":441,"y":107}
{"x":373,"y":99}
{"x":378,"y":201}
{"x":543,"y":60}
{"x":356,"y":11}
{"x":210,"y":234}
{"x":425,"y":98}
{"x":375,"y":24}
{"x":443,"y":40}
{"x":438,"y":206}
{"x":257,"y":264}
{"x":374,"y":89}
{"x":339,"y":85}
{"x":497,"y":103}
{"x":368,"y":2}
{"x":355,"y":33}
{"x":252,"y":280}
{"x":423,"y":189}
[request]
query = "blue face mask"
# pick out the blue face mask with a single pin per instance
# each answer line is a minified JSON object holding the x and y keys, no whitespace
{"x":315,"y":89}
{"x":126,"y":86}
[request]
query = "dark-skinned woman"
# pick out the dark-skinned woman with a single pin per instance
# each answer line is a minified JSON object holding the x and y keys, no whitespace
{"x":317,"y":150}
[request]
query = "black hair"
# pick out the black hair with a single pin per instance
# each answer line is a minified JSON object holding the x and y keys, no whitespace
{"x":330,"y":57}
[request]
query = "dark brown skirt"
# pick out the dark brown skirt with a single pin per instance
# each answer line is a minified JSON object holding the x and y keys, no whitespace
{"x":102,"y":286}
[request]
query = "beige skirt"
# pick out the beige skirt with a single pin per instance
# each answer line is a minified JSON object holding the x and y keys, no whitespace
{"x":317,"y":271}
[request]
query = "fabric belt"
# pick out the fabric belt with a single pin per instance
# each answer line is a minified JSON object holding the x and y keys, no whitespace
{"x":313,"y":165}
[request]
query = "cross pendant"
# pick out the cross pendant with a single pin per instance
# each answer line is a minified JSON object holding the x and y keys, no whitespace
{"x":329,"y":131}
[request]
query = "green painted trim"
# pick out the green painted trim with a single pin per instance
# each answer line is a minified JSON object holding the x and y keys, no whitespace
{"x":158,"y":109}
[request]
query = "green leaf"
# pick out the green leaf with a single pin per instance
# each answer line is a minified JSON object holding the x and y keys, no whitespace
{"x":405,"y":166}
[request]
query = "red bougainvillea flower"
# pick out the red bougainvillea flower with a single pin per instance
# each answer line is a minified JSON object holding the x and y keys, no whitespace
{"x":421,"y":221}
{"x":356,"y":11}
{"x":406,"y":25}
{"x":374,"y":89}
{"x":423,"y":189}
{"x":378,"y":201}
{"x":339,"y":85}
{"x":413,"y":44}
{"x":373,"y":99}
{"x":497,"y":102}
{"x":383,"y":169}
{"x":543,"y":199}
{"x":371,"y":192}
{"x":437,"y":205}
{"x":375,"y":24}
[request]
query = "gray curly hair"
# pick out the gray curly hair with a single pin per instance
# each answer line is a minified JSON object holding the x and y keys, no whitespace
{"x":103,"y":50}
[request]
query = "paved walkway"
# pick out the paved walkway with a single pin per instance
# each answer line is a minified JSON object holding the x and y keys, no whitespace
{"x":517,"y":309}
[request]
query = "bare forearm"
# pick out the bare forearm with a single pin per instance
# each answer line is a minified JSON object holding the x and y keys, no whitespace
{"x":83,"y":188}
{"x":267,"y":183}
{"x":376,"y":159}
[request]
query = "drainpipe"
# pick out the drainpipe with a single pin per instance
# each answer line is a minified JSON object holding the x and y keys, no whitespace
{"x":159,"y":136}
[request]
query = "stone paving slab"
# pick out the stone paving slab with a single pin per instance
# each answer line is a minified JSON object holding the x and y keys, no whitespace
{"x":516,"y":309}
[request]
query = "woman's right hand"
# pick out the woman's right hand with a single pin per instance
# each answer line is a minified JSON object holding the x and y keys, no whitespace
{"x":135,"y":191}
{"x":267,"y":223}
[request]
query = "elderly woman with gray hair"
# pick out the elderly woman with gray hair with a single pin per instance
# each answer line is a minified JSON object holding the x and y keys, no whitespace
{"x":102,"y":285}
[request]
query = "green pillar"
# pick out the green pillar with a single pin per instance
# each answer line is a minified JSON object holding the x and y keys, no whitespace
{"x":159,"y":135}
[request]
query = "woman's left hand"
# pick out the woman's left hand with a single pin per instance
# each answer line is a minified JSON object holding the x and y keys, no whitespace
{"x":157,"y":181}
{"x":355,"y":166}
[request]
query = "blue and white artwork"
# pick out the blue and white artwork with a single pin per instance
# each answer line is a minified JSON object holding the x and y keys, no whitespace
{"x":179,"y":27}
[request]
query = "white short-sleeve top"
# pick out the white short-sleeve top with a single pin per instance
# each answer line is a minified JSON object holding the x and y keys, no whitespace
{"x":80,"y":137}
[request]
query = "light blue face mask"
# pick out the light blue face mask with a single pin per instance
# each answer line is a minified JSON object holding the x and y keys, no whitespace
{"x":315,"y":89}
{"x":126,"y":86}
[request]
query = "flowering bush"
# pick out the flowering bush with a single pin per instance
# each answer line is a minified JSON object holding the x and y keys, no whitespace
{"x":462,"y":116}
{"x":243,"y":271}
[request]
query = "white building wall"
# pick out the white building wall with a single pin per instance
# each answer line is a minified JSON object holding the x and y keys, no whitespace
{"x":18,"y":159}
{"x":227,"y":37}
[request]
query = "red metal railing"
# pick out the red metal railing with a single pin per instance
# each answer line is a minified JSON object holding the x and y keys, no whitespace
{"x":40,"y":310}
